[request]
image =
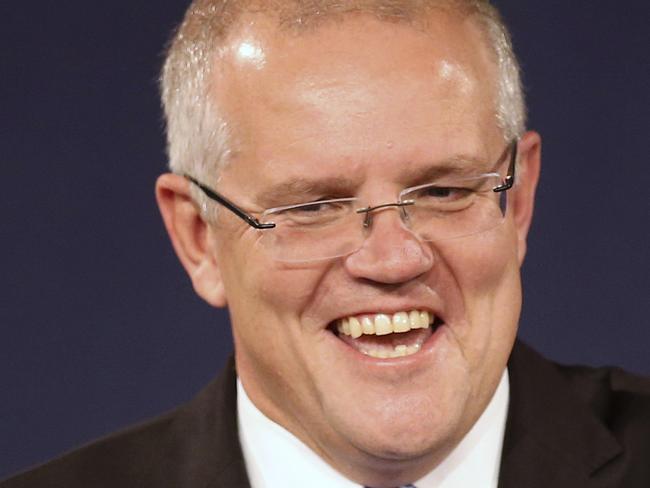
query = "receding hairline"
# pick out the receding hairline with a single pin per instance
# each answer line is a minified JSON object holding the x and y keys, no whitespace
{"x":300,"y":17}
{"x":221,"y":18}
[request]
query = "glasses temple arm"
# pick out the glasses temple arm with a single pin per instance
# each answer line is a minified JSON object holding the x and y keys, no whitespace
{"x":510,"y":177}
{"x":213,"y":195}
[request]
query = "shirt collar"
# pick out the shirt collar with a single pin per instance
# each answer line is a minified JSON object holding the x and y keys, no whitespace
{"x":275,"y":457}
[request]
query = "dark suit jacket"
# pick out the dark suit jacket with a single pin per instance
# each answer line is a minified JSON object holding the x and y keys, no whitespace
{"x":568,"y":427}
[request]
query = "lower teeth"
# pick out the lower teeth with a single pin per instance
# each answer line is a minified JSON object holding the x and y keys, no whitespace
{"x":399,"y":351}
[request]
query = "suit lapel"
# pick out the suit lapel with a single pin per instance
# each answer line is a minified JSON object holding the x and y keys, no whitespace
{"x":552,"y":438}
{"x":210,"y":455}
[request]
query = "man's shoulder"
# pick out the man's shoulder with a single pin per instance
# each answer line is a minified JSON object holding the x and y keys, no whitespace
{"x":606,"y":382}
{"x":123,"y":459}
{"x":194,"y":445}
{"x":619,"y":398}
{"x":574,"y":423}
{"x":615,"y":396}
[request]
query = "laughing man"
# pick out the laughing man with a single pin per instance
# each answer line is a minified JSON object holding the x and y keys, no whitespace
{"x":355,"y":182}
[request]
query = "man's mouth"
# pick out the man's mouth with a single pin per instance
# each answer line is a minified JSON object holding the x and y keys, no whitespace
{"x":387,"y":336}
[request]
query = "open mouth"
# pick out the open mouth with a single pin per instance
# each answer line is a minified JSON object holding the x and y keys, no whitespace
{"x":387,"y":336}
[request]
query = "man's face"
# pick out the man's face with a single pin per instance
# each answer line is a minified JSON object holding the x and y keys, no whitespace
{"x":371,"y":104}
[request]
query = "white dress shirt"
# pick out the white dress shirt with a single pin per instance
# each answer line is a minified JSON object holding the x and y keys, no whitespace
{"x":275,"y":458}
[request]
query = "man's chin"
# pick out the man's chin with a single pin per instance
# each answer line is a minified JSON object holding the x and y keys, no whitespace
{"x":407,"y":448}
{"x":412,"y":430}
{"x":393,"y":457}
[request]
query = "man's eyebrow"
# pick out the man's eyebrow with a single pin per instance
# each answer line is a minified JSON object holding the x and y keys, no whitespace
{"x":301,"y":189}
{"x":455,"y":166}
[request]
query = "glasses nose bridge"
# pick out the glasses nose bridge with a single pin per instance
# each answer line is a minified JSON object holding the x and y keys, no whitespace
{"x":399,"y":205}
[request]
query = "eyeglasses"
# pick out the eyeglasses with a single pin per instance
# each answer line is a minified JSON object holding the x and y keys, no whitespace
{"x":447,"y":208}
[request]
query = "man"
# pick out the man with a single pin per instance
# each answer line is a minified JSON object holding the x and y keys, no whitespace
{"x":353,"y":180}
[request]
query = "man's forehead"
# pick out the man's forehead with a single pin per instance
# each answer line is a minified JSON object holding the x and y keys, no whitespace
{"x":260,"y":61}
{"x":334,"y":96}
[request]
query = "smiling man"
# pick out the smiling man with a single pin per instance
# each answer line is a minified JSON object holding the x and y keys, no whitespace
{"x":353,"y":180}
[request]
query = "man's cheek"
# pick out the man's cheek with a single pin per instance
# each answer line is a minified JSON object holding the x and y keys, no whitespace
{"x":483,"y":261}
{"x":288,"y":292}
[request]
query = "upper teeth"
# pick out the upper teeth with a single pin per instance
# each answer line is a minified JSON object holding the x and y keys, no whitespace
{"x":382,"y":324}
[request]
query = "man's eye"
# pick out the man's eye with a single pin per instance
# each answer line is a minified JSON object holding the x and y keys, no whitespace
{"x":444,"y":199}
{"x":313,"y":208}
{"x":317,"y":212}
{"x":444,"y":192}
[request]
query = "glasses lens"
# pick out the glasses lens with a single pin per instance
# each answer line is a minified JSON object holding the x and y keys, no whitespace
{"x":452,"y":209}
{"x":314,"y":231}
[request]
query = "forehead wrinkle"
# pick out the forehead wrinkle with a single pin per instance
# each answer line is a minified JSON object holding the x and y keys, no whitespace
{"x":323,"y":92}
{"x":305,"y":187}
{"x":460,"y":165}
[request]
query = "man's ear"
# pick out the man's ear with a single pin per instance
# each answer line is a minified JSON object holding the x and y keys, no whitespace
{"x":530,"y":156}
{"x":190,"y":236}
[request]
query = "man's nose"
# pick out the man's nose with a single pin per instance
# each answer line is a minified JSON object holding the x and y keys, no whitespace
{"x":391,"y":253}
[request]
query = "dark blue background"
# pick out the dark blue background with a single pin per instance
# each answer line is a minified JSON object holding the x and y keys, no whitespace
{"x":100,"y":326}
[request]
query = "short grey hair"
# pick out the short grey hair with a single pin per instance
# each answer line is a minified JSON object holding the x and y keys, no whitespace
{"x":199,"y":138}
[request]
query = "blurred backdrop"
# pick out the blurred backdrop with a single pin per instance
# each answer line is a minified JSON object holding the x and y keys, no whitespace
{"x":100,"y":326}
